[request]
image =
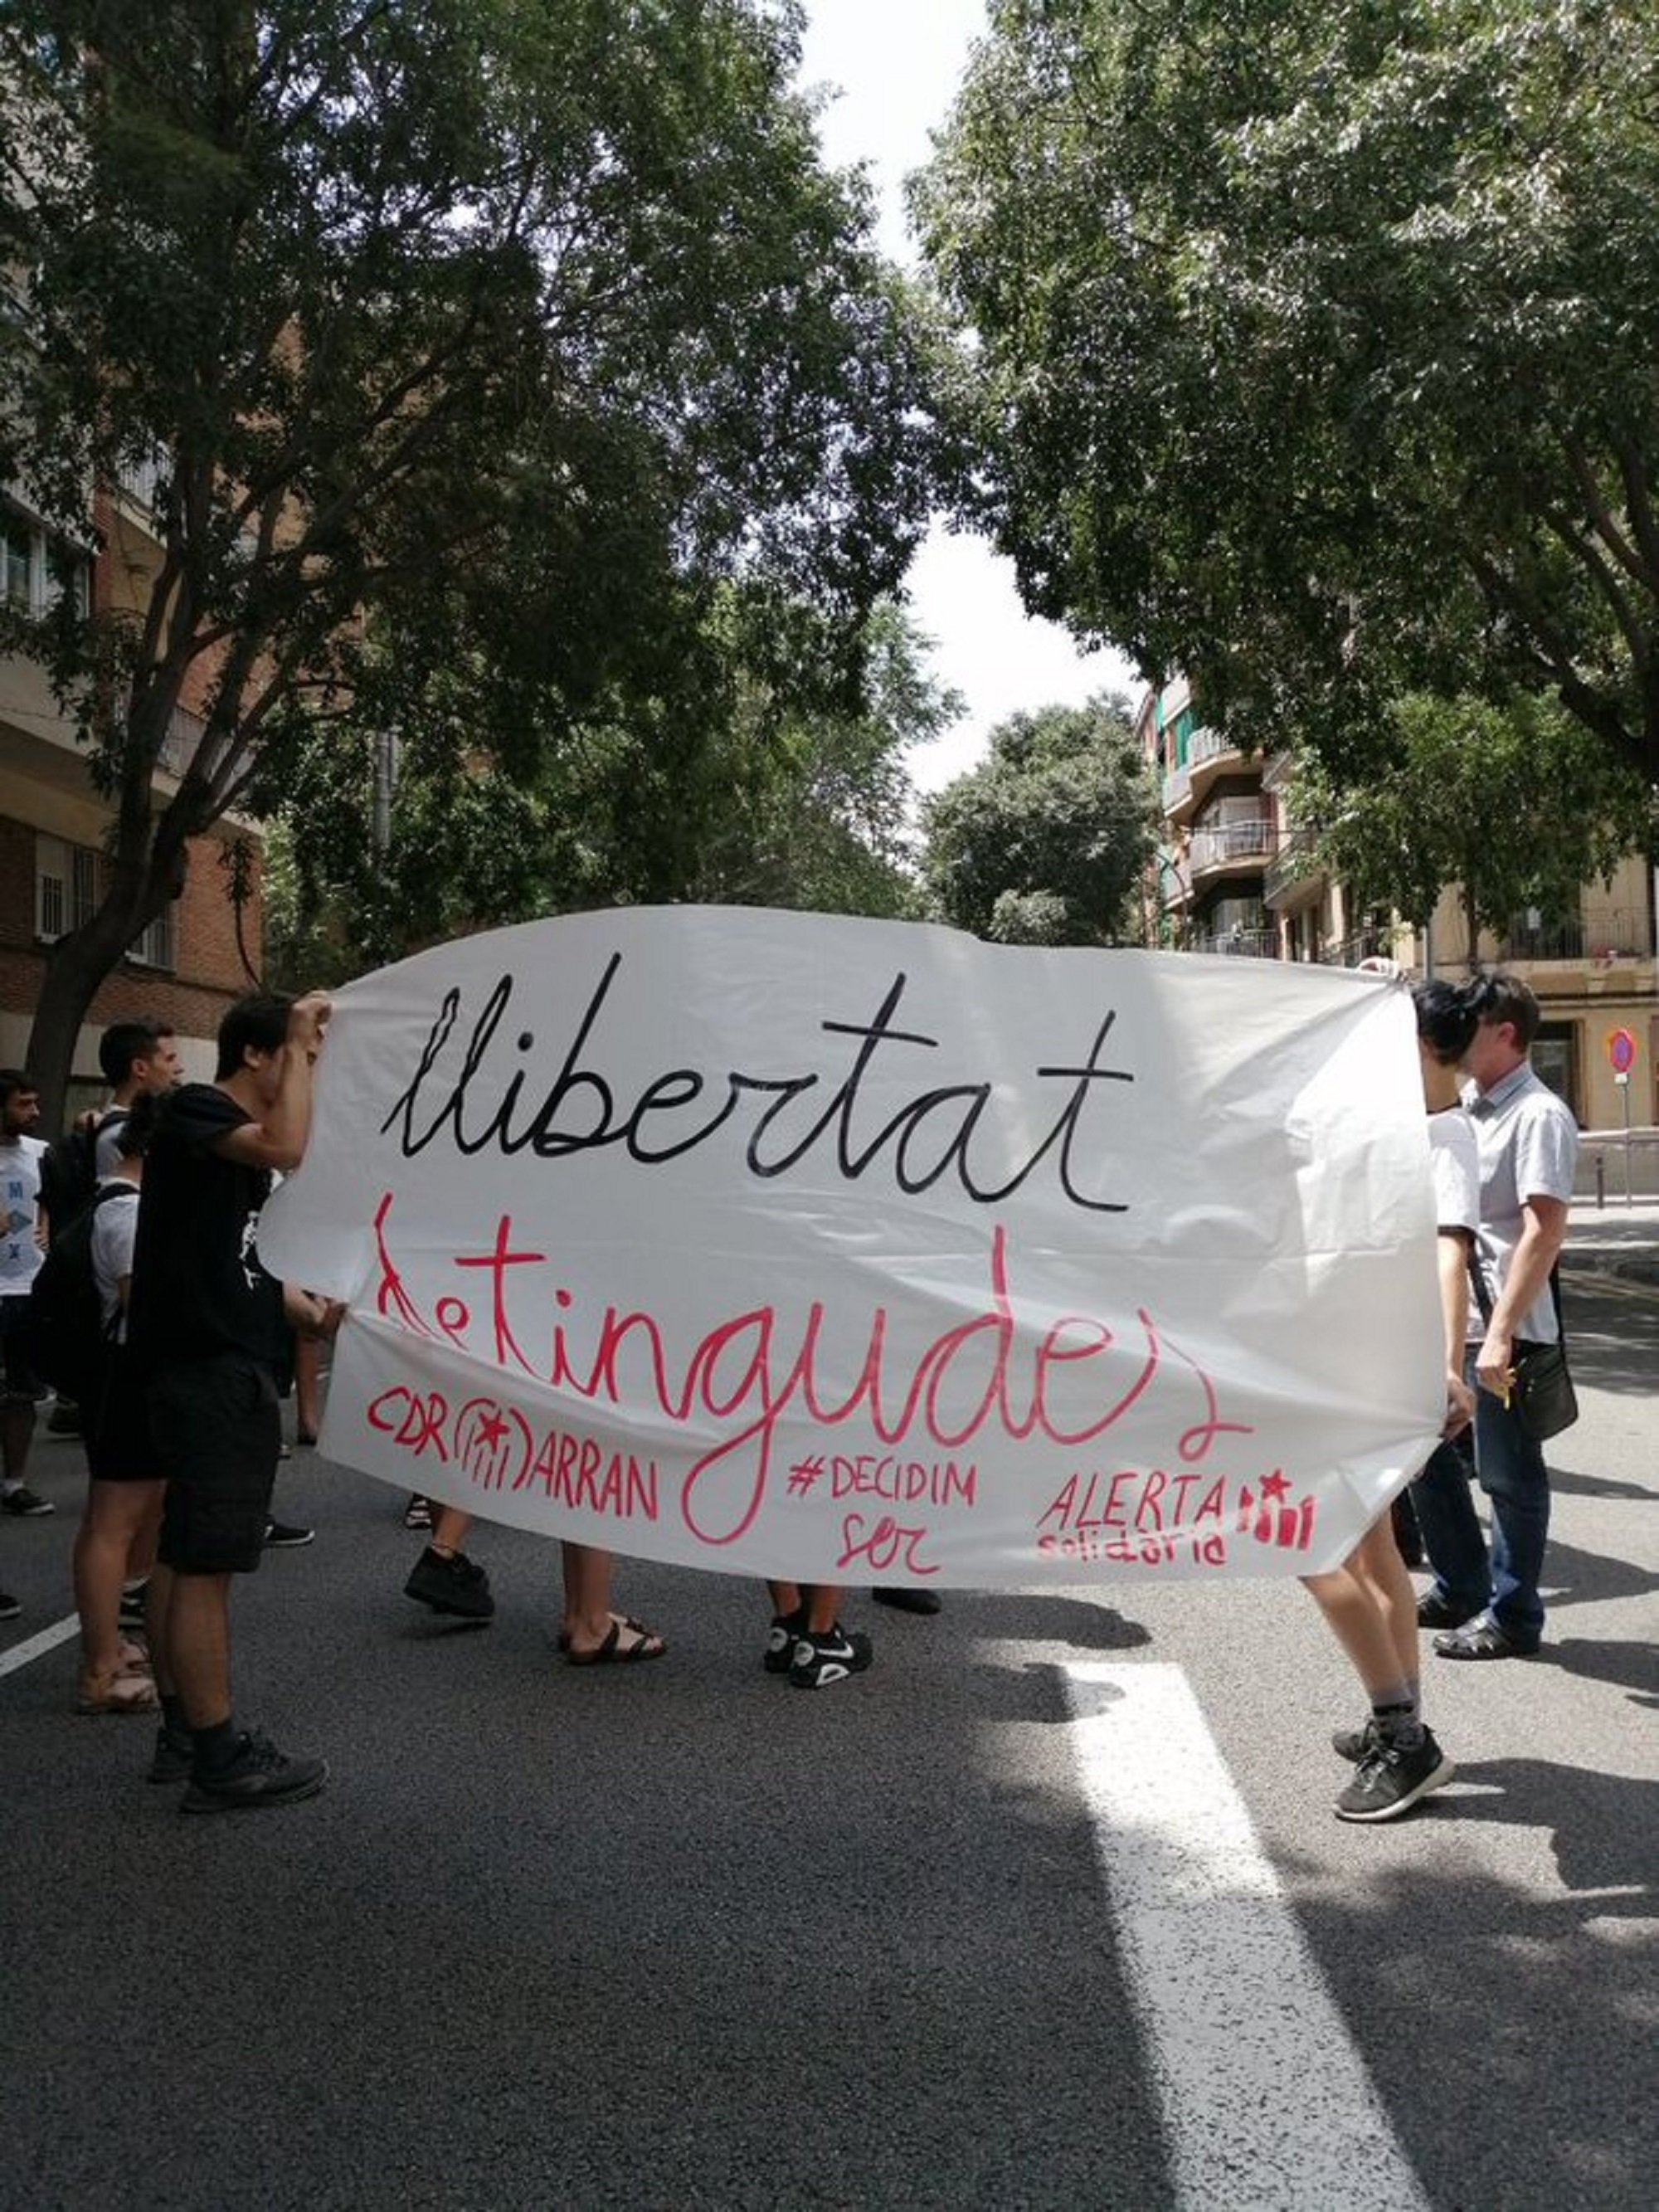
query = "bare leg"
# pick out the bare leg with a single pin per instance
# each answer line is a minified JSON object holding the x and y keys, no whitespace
{"x":158,"y":1627}
{"x":16,"y":1428}
{"x":450,"y":1531}
{"x":1376,"y":1559}
{"x":116,"y":1514}
{"x":198,"y":1647}
{"x":307,"y":1391}
{"x":1361,"y":1627}
{"x":588,"y":1619}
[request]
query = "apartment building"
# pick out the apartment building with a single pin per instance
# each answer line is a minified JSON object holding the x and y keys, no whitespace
{"x":1234,"y":876}
{"x":189,"y":966}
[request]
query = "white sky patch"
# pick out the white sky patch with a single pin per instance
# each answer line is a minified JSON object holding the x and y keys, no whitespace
{"x":897,"y":65}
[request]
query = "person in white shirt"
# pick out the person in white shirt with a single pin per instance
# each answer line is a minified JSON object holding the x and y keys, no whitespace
{"x":1490,"y":1607}
{"x":22,"y":1248}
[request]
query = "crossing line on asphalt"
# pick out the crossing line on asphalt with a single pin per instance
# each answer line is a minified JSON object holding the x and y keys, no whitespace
{"x":1265,"y":2101}
{"x":37,"y":1646}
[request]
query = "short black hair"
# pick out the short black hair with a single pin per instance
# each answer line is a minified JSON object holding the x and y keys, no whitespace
{"x":14,"y":1079}
{"x":1448,"y":1015}
{"x":123,"y":1042}
{"x":256,"y":1024}
{"x":1500,"y":997}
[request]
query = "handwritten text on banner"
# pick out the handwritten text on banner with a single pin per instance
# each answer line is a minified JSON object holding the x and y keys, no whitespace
{"x":844,"y":1251}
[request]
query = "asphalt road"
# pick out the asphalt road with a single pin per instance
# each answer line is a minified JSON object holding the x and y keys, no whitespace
{"x":678,"y":1935}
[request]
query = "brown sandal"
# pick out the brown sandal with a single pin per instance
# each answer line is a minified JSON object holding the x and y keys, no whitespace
{"x":613,"y":1652}
{"x":115,"y":1693}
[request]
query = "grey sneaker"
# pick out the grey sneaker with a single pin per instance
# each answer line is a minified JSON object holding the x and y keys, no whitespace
{"x":1390,"y":1780}
{"x":1354,"y":1744}
{"x":259,"y":1775}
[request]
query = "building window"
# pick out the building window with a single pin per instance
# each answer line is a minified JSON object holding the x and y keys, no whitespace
{"x":152,"y":947}
{"x":35,"y":569}
{"x":18,"y":584}
{"x":66,"y":887}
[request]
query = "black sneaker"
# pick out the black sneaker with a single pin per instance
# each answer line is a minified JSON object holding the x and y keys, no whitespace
{"x":1354,"y":1744}
{"x":451,"y":1585}
{"x":820,"y":1660}
{"x":259,"y":1775}
{"x":24,"y":1504}
{"x":1391,"y":1779}
{"x":64,"y":1420}
{"x":10,"y":1608}
{"x":780,"y":1640}
{"x":173,"y":1756}
{"x":281,"y":1536}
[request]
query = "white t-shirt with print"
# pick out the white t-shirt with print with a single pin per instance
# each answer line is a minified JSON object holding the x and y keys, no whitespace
{"x":20,"y":1214}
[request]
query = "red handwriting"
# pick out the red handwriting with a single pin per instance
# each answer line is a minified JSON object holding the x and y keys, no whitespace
{"x":981,"y":1376}
{"x":1146,"y":1514}
{"x":497,"y":1449}
{"x":884,"y":1546}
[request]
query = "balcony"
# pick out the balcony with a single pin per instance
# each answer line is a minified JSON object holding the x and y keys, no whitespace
{"x":1231,"y":846}
{"x":1292,"y":869}
{"x":1177,"y":789}
{"x":1241,"y":944}
{"x":1596,"y":938}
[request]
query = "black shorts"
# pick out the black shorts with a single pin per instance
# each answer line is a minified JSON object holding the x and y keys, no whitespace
{"x":18,"y":1380}
{"x":119,"y":1445}
{"x":218,"y":1430}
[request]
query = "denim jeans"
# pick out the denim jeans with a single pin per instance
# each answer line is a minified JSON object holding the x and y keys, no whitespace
{"x":1512,"y":1473}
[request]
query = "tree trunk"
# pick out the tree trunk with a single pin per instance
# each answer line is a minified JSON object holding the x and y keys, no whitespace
{"x":1472,"y":923}
{"x":76,"y":966}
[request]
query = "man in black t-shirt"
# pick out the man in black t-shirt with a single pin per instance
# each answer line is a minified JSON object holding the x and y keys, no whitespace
{"x":205,"y":1322}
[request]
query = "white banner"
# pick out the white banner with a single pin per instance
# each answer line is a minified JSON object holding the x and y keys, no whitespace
{"x":850,"y":1251}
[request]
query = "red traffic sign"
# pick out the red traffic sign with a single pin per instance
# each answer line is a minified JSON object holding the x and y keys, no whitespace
{"x":1621,"y":1051}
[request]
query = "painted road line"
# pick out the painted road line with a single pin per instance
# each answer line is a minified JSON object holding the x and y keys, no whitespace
{"x":1265,"y":2102}
{"x":37,"y":1646}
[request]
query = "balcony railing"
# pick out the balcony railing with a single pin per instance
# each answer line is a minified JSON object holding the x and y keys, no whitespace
{"x":1363,"y":945}
{"x":1177,"y":788}
{"x":184,"y":731}
{"x":1207,"y":744}
{"x":1600,"y":935}
{"x":1293,"y":863}
{"x":1231,"y":843}
{"x":1242,"y":944}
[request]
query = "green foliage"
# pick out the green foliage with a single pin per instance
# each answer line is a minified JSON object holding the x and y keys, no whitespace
{"x":510,"y":332}
{"x":781,"y":782}
{"x":1046,"y":841}
{"x":1315,"y":346}
{"x":1521,"y":806}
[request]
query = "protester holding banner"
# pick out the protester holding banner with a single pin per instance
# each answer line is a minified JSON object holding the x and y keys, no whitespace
{"x":1369,"y":1600}
{"x":206,"y":1324}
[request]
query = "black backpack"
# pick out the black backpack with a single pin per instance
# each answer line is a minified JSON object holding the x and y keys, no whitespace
{"x":68,"y":1172}
{"x":69,"y":1343}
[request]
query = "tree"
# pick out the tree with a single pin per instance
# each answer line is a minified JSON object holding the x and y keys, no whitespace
{"x":790,"y":791}
{"x":1315,"y":347}
{"x":1046,"y":841}
{"x":1520,"y":807}
{"x":523,"y":324}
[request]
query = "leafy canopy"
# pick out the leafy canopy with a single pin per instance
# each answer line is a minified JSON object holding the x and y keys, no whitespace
{"x":511,"y":329}
{"x":1046,"y":841}
{"x":1315,"y":346}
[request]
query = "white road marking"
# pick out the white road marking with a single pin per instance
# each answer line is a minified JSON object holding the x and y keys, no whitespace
{"x":36,"y":1647}
{"x":1265,"y":2101}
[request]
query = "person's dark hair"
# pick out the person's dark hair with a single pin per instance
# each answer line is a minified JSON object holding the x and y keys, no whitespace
{"x":123,"y":1042}
{"x":138,"y":1128}
{"x":14,"y":1079}
{"x":256,"y":1024}
{"x":1448,"y":1015}
{"x":1499,"y":997}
